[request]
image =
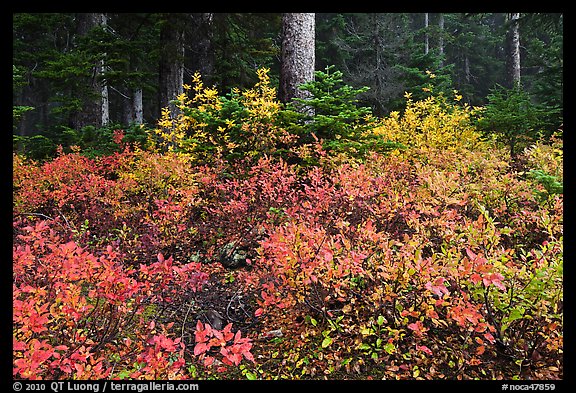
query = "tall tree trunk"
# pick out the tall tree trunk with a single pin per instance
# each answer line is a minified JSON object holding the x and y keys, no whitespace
{"x":426,"y":36}
{"x":137,"y":107}
{"x":513,"y":51}
{"x":171,"y":60}
{"x":94,"y":100}
{"x":201,"y":45}
{"x":298,"y":54}
{"x":105,"y":102}
{"x":441,"y":39}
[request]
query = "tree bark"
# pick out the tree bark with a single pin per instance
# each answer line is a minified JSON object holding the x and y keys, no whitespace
{"x":105,"y":102}
{"x":201,"y":47}
{"x":95,"y":100}
{"x":298,"y":54}
{"x":426,"y":36}
{"x":467,"y":73}
{"x":441,"y":39}
{"x":137,"y":106}
{"x":171,"y":71}
{"x":513,"y":51}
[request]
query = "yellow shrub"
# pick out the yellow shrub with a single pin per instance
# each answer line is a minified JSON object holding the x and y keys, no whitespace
{"x":260,"y":101}
{"x":210,"y":126}
{"x":546,"y":157}
{"x":431,"y":123}
{"x":182,"y":131}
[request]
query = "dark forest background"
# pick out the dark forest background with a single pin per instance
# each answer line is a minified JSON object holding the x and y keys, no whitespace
{"x":63,"y":63}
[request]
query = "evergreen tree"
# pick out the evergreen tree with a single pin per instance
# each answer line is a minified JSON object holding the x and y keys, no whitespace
{"x":243,"y":43}
{"x":66,"y":64}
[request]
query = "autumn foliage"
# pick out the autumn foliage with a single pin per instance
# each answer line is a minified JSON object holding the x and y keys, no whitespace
{"x":438,"y":261}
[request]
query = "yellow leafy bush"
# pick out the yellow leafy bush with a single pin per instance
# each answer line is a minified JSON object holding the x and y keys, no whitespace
{"x":547,"y":157}
{"x":183,"y":130}
{"x":431,"y":123}
{"x":210,"y":126}
{"x":260,"y":101}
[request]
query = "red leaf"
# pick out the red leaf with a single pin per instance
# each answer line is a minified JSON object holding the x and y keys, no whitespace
{"x":480,"y":350}
{"x":79,"y":369}
{"x":475,"y":278}
{"x":424,"y":349}
{"x":200,"y":348}
{"x":471,"y":255}
{"x":418,"y":328}
{"x":18,"y":345}
{"x":490,"y":338}
{"x":495,"y":279}
{"x":208,"y":360}
{"x":249,"y":356}
{"x":203,"y":332}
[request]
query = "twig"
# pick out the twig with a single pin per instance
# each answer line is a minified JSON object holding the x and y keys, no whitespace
{"x":66,"y":220}
{"x":185,"y":319}
{"x":35,"y":214}
{"x":228,"y":307}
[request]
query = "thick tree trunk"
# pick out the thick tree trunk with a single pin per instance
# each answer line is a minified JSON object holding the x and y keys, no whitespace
{"x":171,"y":60}
{"x":298,"y":54}
{"x":201,"y":48}
{"x":513,"y":51}
{"x":95,"y":99}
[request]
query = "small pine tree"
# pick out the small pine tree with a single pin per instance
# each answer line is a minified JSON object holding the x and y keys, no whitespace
{"x":334,"y":116}
{"x":512,"y":117}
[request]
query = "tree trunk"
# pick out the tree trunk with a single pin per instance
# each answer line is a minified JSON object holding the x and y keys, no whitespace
{"x":105,"y":103}
{"x":201,"y":45}
{"x":441,"y":39}
{"x":426,"y":36}
{"x":513,"y":51}
{"x":298,"y":54}
{"x":137,"y":107}
{"x":171,"y":60}
{"x":95,"y":99}
{"x":467,"y":73}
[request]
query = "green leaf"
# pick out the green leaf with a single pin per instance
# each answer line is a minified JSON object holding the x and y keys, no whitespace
{"x":380,"y":320}
{"x":326,"y":342}
{"x":516,"y":313}
{"x":389,"y":348}
{"x":251,"y":376}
